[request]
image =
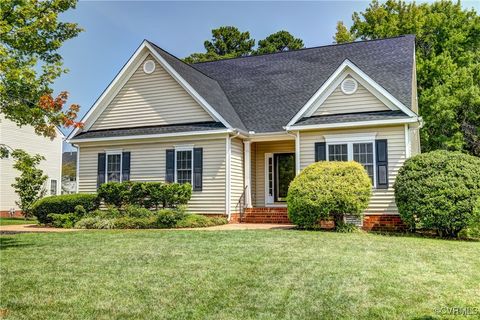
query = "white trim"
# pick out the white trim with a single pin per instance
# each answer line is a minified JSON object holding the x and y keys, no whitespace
{"x":407,"y":142}
{"x":228,"y":149}
{"x":145,"y":136}
{"x":247,"y":168}
{"x":348,"y":64}
{"x":354,"y":124}
{"x":349,"y":137}
{"x":297,"y":153}
{"x":276,"y":205}
{"x":123,"y":76}
{"x":182,"y":148}
{"x":269,"y":200}
{"x":77,"y":173}
{"x":110,"y":153}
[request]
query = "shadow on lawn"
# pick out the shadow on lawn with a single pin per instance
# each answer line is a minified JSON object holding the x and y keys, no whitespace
{"x":7,"y":242}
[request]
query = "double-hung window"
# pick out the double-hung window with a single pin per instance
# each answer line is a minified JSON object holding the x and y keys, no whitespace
{"x":114,"y":167}
{"x":357,"y":148}
{"x":184,"y":165}
{"x":53,"y":187}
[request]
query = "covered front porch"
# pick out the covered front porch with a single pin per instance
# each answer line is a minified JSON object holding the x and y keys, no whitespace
{"x":270,"y":164}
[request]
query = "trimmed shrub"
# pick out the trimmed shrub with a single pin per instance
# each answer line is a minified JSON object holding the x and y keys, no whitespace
{"x":328,"y":189}
{"x":199,"y":221}
{"x":114,"y":193}
{"x":176,"y":194}
{"x":155,"y":194}
{"x":64,"y":220}
{"x":168,"y":218}
{"x":134,"y":223}
{"x":439,"y":190}
{"x":133,"y":211}
{"x":63,"y":204}
{"x":95,"y":223}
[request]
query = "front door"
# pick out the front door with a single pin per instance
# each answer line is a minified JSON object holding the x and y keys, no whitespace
{"x":284,"y":167}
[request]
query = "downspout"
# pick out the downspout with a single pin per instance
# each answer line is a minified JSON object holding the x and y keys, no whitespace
{"x":228,"y":184}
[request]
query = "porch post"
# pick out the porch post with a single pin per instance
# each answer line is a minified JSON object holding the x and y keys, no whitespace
{"x":247,"y":173}
{"x":297,"y":153}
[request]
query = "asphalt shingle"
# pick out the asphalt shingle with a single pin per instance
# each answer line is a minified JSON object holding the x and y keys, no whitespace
{"x":351,"y":117}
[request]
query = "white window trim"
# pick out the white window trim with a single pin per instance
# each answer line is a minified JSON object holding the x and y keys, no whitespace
{"x":269,"y":200}
{"x":182,"y":148}
{"x":349,"y":140}
{"x":107,"y":153}
{"x":56,"y":187}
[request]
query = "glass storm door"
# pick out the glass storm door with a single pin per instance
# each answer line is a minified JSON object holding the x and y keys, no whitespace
{"x":284,"y":174}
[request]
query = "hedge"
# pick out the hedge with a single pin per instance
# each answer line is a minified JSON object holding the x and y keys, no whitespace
{"x":439,"y":190}
{"x":328,"y":189}
{"x":63,"y":204}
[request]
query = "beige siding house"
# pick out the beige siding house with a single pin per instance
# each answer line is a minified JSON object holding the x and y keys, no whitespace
{"x":239,"y":130}
{"x":25,"y":138}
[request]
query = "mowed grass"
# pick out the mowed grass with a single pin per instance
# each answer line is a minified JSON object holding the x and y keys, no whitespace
{"x":16,"y":221}
{"x":270,"y":274}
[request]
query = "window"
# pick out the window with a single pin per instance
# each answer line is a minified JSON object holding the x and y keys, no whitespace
{"x":338,"y":152}
{"x":183,"y":165}
{"x":114,"y":167}
{"x":363,"y":153}
{"x":53,"y":187}
{"x":354,"y":148}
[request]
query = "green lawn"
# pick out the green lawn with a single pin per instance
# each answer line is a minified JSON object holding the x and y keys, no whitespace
{"x":10,"y":221}
{"x":269,"y":274}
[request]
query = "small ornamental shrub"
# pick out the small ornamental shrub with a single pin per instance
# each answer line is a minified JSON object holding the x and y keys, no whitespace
{"x":63,"y":204}
{"x":168,"y":218}
{"x":134,"y":223}
{"x":133,"y":211}
{"x":439,"y":190}
{"x":199,"y":221}
{"x":328,"y":189}
{"x":64,"y":220}
{"x":109,"y":213}
{"x":136,"y":194}
{"x":154,"y":194}
{"x":346,"y":228}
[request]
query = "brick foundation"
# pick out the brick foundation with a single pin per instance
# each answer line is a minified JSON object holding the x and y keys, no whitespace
{"x":384,"y":222}
{"x":6,"y":214}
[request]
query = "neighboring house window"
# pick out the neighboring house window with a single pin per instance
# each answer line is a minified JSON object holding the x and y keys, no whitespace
{"x":53,"y":187}
{"x":183,"y":165}
{"x":114,"y":167}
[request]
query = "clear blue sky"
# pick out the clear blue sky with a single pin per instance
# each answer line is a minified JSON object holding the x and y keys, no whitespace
{"x":114,"y":29}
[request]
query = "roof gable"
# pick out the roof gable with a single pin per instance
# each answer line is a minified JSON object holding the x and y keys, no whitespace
{"x":150,"y":99}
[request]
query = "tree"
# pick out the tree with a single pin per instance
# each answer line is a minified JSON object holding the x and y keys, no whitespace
{"x":30,"y":184}
{"x":226,"y":42}
{"x":448,"y":63}
{"x":343,"y":34}
{"x":278,"y":42}
{"x":30,"y":36}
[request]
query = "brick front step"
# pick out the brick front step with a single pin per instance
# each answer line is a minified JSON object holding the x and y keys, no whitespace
{"x":266,"y":215}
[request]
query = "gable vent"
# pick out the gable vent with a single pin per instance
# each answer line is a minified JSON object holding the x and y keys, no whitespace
{"x":149,"y":66}
{"x":349,"y":86}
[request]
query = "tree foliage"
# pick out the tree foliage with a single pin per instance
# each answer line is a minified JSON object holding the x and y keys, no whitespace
{"x":278,"y":42}
{"x":343,"y":34}
{"x":226,"y":42}
{"x":30,"y":184}
{"x":30,"y":36}
{"x":229,"y":42}
{"x":448,"y":65}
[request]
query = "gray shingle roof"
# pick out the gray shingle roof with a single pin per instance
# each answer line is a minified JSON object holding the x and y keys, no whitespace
{"x":138,"y":131}
{"x":350,"y":117}
{"x":267,"y":91}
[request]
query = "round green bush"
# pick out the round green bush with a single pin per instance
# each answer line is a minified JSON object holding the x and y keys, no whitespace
{"x":439,"y":190}
{"x":61,"y":204}
{"x":328,"y":189}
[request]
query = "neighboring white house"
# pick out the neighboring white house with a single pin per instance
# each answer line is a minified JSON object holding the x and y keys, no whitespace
{"x":25,"y":138}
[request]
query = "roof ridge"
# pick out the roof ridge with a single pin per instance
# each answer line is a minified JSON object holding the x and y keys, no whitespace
{"x":302,"y":49}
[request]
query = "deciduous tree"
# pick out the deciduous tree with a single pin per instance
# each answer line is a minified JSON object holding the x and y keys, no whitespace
{"x":278,"y":42}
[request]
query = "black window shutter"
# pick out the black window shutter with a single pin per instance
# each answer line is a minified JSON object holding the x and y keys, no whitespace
{"x":381,"y":149}
{"x":197,"y":169}
{"x":125,"y":166}
{"x":101,"y":169}
{"x":320,"y":151}
{"x":170,"y":165}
